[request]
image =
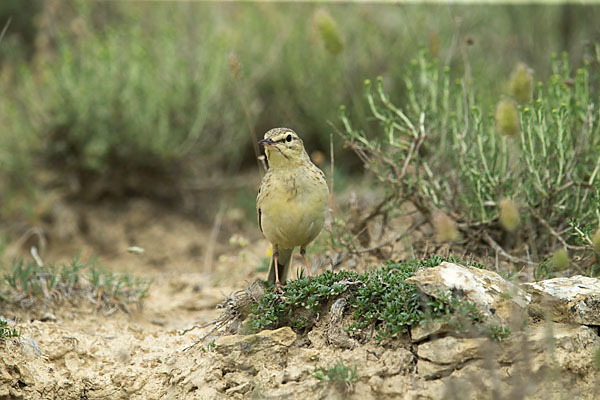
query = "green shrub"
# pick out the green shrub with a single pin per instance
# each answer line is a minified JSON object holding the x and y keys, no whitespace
{"x":119,"y":98}
{"x":459,"y":163}
{"x":128,"y":104}
{"x":379,"y":299}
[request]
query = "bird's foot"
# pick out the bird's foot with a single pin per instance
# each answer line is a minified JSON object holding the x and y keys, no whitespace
{"x":278,"y":288}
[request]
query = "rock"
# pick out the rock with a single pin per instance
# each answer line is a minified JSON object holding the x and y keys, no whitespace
{"x":495,"y":297}
{"x":294,"y":373}
{"x":548,"y":361}
{"x":395,"y":385}
{"x":451,"y":350}
{"x":476,"y":381}
{"x":428,"y":370}
{"x":336,"y":334}
{"x":574,"y":300}
{"x":251,"y":343}
{"x":30,"y":346}
{"x":242,"y":389}
{"x":427,"y":329}
{"x":397,"y":361}
{"x":375,"y":381}
{"x":572,"y":347}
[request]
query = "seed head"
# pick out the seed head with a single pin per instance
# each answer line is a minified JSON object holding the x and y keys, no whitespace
{"x":445,"y":228}
{"x":507,"y":118}
{"x":509,"y":214}
{"x":560,"y":259}
{"x":328,"y":31}
{"x":596,"y":241}
{"x":521,"y":83}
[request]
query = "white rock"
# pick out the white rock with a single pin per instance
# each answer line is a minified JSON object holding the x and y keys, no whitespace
{"x":495,"y":297}
{"x":574,"y":300}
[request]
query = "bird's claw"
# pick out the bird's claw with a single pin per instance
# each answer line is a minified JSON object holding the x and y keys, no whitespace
{"x":278,"y":288}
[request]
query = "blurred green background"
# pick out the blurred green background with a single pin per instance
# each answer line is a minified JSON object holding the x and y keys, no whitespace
{"x":149,"y":98}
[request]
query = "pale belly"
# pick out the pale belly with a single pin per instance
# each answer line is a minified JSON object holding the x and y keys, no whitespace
{"x":290,"y":221}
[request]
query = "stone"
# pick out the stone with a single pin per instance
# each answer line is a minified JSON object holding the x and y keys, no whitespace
{"x":428,"y":370}
{"x":252,"y":343}
{"x":336,"y":334}
{"x":451,"y":350}
{"x":241,"y":388}
{"x":427,"y":329}
{"x":496,"y":298}
{"x":572,"y":300}
{"x":394,"y":385}
{"x":294,"y":373}
{"x":397,"y":361}
{"x":572,"y":347}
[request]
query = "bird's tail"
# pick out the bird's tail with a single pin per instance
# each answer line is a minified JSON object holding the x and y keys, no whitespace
{"x":284,"y":262}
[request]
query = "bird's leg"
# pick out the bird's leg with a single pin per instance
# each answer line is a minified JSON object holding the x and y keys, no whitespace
{"x":303,"y":254}
{"x":276,"y":266}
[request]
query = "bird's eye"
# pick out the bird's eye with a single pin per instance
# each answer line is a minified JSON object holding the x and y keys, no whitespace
{"x":289,"y":138}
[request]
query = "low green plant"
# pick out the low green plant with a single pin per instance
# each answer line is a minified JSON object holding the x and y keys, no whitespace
{"x":379,"y":299}
{"x":455,"y":311}
{"x":442,"y":150}
{"x":28,"y":284}
{"x":5,"y":331}
{"x":337,"y":374}
{"x":209,"y":347}
{"x":498,"y":332}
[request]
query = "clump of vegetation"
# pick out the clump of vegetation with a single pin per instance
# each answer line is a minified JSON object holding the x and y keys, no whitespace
{"x":445,"y":153}
{"x":6,"y":331}
{"x":30,"y":284}
{"x":379,"y":299}
{"x":337,"y":374}
{"x":116,"y":98}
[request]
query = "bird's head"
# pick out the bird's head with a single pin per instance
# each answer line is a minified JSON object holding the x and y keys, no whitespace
{"x":283,"y":147}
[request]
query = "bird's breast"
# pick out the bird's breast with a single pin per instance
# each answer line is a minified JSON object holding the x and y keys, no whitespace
{"x":293,"y":210}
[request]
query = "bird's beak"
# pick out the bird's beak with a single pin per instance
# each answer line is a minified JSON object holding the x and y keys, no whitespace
{"x":266,"y":142}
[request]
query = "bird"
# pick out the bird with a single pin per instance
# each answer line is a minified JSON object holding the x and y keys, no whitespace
{"x":292,"y":201}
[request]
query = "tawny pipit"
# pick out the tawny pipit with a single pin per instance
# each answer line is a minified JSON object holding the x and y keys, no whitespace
{"x":291,"y":202}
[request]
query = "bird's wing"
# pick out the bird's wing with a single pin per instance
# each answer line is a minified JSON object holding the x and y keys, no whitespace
{"x":259,"y":201}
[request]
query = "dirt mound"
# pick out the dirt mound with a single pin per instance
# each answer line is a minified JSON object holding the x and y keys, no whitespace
{"x":122,"y":357}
